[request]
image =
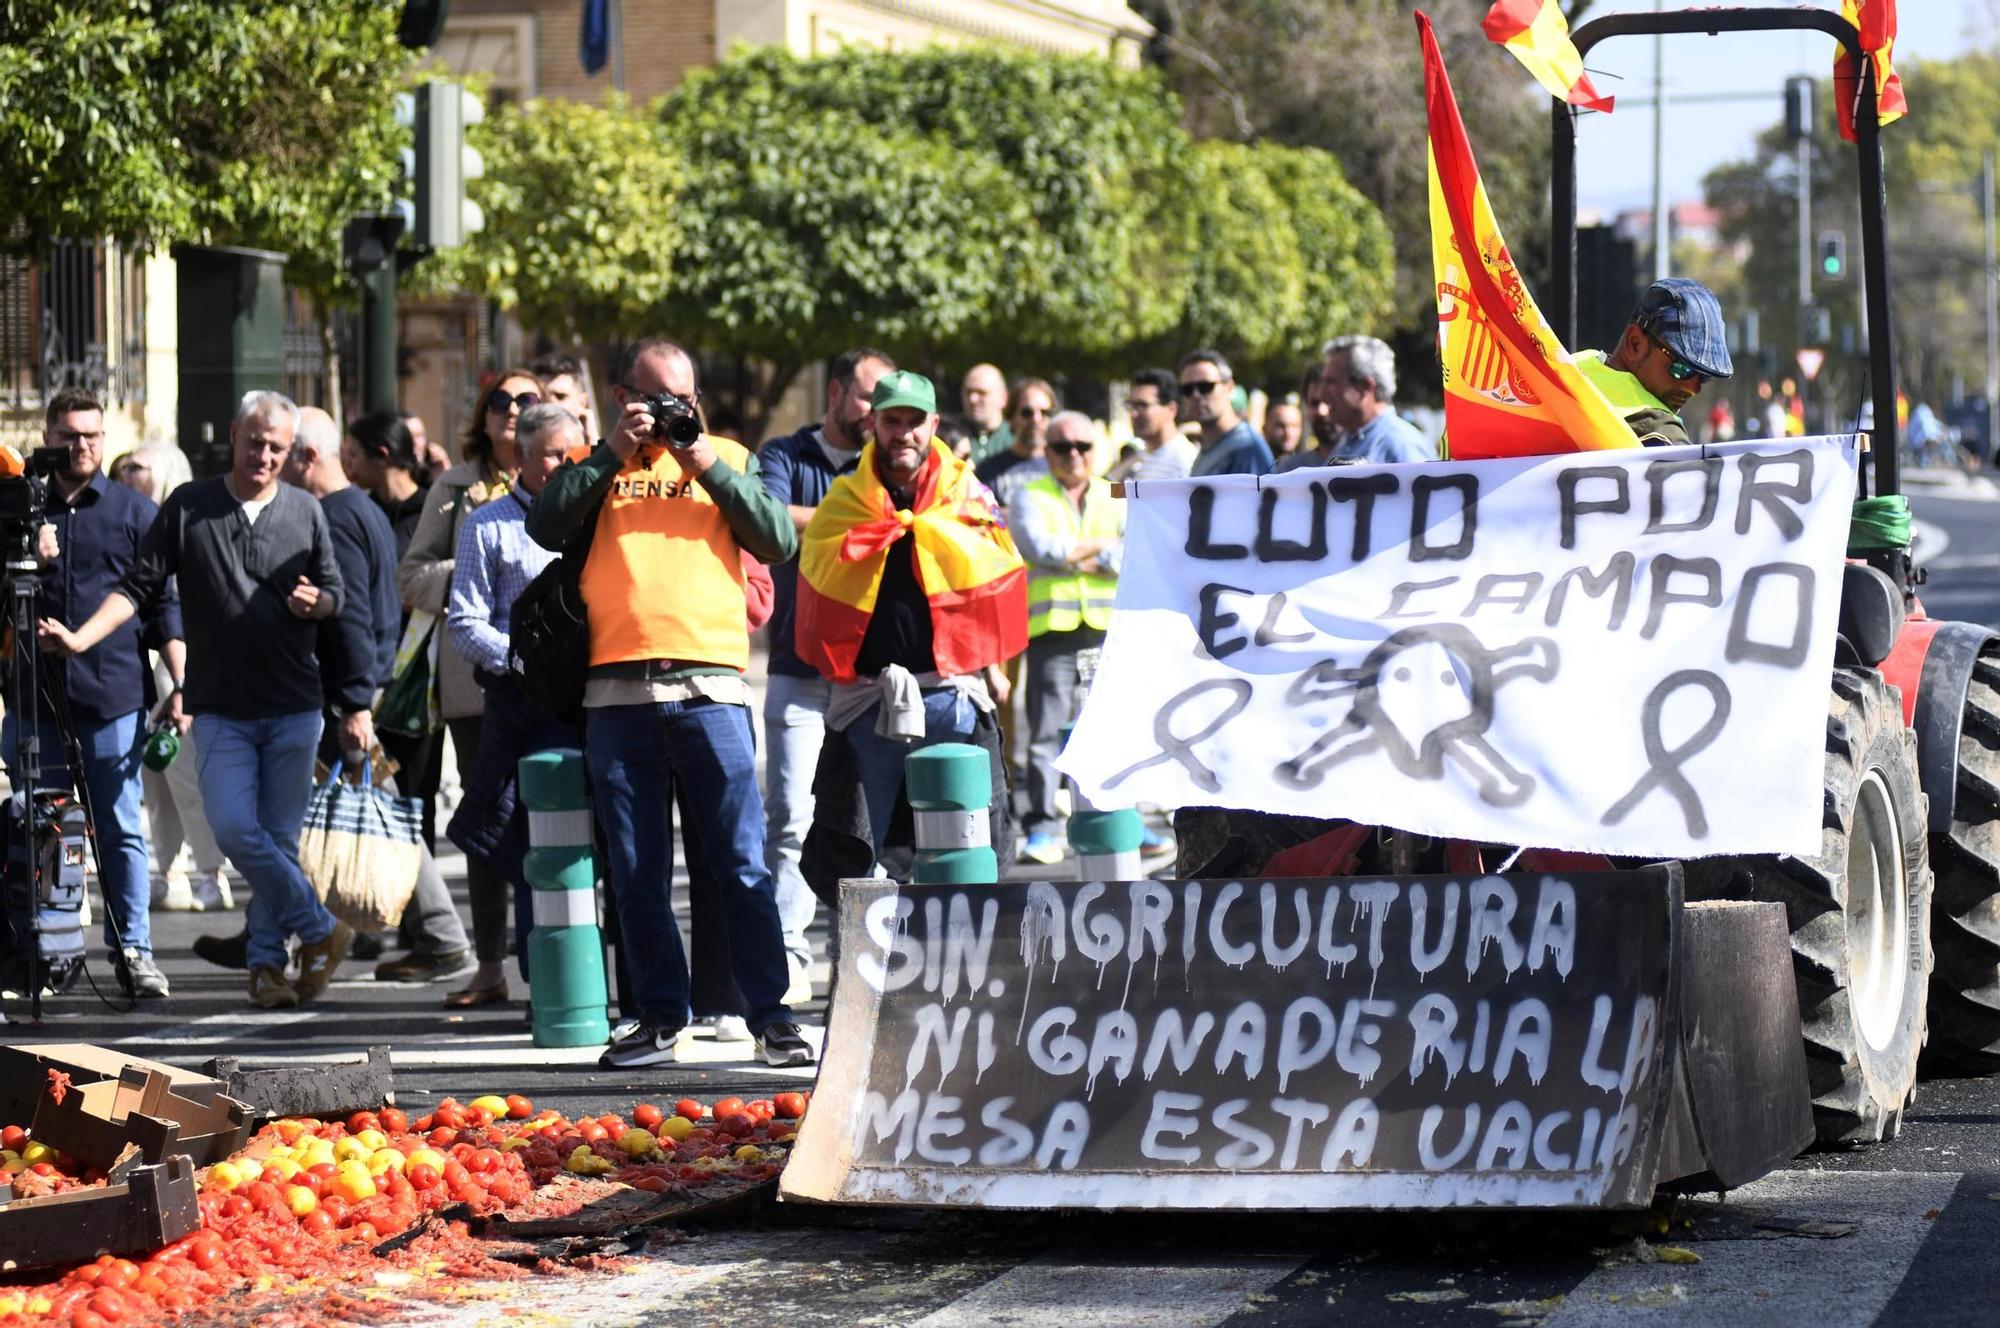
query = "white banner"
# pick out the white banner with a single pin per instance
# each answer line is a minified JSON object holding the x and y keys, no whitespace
{"x":1619,"y":652}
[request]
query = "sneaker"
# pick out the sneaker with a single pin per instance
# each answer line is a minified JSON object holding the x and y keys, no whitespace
{"x":1153,"y":844}
{"x":782,"y":1044}
{"x":212,"y":893}
{"x":367,"y":945}
{"x":644,"y":1044}
{"x":174,"y":893}
{"x":139,"y":975}
{"x":224,"y":951}
{"x":269,"y":990}
{"x":720,"y":1027}
{"x":317,"y":962}
{"x":1043,"y":847}
{"x":414,"y":967}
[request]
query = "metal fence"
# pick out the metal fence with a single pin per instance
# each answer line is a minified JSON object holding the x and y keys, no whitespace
{"x":76,"y":318}
{"x":312,"y":378}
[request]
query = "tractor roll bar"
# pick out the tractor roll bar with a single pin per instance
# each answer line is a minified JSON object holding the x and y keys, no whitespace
{"x":1874,"y":201}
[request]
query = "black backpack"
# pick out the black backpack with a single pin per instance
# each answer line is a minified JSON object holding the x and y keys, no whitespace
{"x":550,"y":633}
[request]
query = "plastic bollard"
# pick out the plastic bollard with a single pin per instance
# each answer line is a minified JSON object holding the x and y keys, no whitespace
{"x":566,"y":949}
{"x":950,"y":787}
{"x":1107,"y":844}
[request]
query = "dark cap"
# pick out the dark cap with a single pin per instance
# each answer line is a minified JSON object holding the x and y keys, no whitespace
{"x":1686,"y":318}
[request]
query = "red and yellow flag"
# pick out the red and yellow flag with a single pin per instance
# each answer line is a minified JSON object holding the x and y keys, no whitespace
{"x":1510,"y":388}
{"x":968,"y":567}
{"x":1538,"y":35}
{"x":1875,"y":20}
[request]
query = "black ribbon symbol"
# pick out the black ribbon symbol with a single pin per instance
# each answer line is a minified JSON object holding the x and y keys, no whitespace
{"x":1664,"y":766}
{"x":1174,"y":748}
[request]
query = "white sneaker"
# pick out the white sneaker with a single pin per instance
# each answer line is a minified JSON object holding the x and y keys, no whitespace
{"x":212,"y":893}
{"x":721,"y":1027}
{"x":174,"y":893}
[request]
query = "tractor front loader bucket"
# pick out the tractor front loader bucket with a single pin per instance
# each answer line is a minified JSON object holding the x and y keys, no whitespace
{"x":1543,"y":1039}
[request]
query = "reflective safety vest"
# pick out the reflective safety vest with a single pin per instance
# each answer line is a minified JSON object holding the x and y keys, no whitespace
{"x":1627,"y":395}
{"x":1065,"y":601}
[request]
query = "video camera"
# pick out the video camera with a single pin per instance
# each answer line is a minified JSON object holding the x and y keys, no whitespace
{"x":23,"y":500}
{"x":673,"y":419}
{"x":42,"y":883}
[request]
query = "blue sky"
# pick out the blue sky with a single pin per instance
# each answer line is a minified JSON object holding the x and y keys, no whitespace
{"x":1615,"y":151}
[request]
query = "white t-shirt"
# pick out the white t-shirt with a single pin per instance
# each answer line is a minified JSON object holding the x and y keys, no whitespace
{"x":255,"y":508}
{"x":838,"y":456}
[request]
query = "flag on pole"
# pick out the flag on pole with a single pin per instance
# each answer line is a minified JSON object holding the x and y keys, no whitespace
{"x":1510,"y":387}
{"x":594,"y":37}
{"x":1875,"y":20}
{"x":1538,"y":35}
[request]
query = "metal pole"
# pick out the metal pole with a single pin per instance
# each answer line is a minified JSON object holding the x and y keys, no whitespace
{"x":1663,"y":258}
{"x":1805,"y":254}
{"x":1992,"y":313}
{"x":378,"y":339}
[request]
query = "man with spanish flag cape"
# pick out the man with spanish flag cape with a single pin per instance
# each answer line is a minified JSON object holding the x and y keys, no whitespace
{"x":1510,"y":387}
{"x":910,"y":593}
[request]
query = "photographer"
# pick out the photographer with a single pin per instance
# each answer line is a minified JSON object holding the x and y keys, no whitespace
{"x":256,"y":570}
{"x":673,"y":509}
{"x":93,"y":530}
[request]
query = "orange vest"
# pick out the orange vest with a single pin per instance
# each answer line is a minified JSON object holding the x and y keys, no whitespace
{"x":665,"y":578}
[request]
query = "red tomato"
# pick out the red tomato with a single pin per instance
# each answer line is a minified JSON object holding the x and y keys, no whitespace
{"x":651,"y":1184}
{"x":317,"y":1223}
{"x":237,"y":1205}
{"x":206,"y":1252}
{"x":423,"y":1123}
{"x":647,"y":1116}
{"x":736,"y":1124}
{"x":478,"y":1117}
{"x":394,"y":1121}
{"x":424,"y":1176}
{"x":87,"y":1318}
{"x":792,"y":1105}
{"x":363,"y":1120}
{"x":335,"y":1207}
{"x":725,"y":1106}
{"x":591,"y":1131}
{"x":483,"y":1162}
{"x":690,"y":1108}
{"x":13,"y":1137}
{"x":518,"y":1107}
{"x":444,"y":1136}
{"x":364,"y":1233}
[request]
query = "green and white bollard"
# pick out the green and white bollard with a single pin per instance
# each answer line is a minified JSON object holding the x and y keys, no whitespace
{"x":1107,"y":844}
{"x":950,"y":788}
{"x":566,"y":949}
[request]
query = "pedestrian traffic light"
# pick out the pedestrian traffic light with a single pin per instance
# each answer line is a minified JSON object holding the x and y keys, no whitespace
{"x":441,"y":163}
{"x":1798,"y":109}
{"x":1833,"y":255}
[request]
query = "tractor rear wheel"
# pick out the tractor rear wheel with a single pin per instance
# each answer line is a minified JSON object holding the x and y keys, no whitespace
{"x":1965,"y":989}
{"x":1859,"y":913}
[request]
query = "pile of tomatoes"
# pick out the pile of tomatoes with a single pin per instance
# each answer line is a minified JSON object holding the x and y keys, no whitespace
{"x":348,"y":1185}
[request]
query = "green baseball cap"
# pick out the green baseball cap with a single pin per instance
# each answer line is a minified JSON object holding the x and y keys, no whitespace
{"x":903,"y":388}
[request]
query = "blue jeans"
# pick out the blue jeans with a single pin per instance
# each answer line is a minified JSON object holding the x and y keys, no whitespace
{"x":948,"y":717}
{"x":794,"y":730}
{"x":111,"y":768}
{"x":635,"y":753}
{"x":256,"y":775}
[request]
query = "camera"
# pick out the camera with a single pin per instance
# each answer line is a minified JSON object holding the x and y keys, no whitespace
{"x":673,"y":419}
{"x":23,"y":500}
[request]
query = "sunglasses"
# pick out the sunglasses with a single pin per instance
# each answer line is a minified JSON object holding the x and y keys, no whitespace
{"x":1031,"y":412}
{"x":1678,"y":369}
{"x":1201,"y":388}
{"x":499,"y":402}
{"x":1069,"y":449}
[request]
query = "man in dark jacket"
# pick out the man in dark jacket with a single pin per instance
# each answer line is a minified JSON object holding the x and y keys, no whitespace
{"x":256,"y":571}
{"x":104,"y":693}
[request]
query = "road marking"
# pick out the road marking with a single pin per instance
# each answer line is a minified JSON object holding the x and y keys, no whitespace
{"x":1928,"y":541}
{"x":203,"y":1031}
{"x":1840,"y":1283}
{"x":1044,"y":1293}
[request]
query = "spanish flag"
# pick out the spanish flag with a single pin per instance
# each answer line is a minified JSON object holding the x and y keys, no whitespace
{"x":975,"y":581}
{"x":1538,"y":35}
{"x":1875,"y":20}
{"x":1510,"y":388}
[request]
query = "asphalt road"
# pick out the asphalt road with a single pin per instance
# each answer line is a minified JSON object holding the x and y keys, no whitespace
{"x":1906,"y":1233}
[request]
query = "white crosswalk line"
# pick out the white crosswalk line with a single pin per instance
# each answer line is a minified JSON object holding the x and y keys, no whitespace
{"x":1778,"y":1283}
{"x":1045,"y":1294}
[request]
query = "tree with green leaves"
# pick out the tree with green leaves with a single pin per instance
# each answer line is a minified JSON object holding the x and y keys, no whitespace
{"x":256,"y":122}
{"x":582,"y":207}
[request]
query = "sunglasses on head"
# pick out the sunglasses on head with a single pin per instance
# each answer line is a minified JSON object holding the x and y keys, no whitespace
{"x":1069,"y":449}
{"x":1201,"y":387}
{"x":500,"y":402}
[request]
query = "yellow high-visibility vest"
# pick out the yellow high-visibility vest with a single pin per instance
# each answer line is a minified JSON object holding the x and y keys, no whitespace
{"x":1065,"y":601}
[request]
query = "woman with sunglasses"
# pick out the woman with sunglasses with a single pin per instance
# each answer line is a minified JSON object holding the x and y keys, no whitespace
{"x":487,"y":472}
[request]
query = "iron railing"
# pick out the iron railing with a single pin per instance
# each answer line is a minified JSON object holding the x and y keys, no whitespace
{"x":76,"y":318}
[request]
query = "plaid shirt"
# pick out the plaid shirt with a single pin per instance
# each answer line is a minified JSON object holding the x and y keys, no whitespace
{"x":495,"y":562}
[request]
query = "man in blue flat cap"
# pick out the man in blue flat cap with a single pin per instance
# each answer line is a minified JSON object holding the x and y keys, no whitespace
{"x":1674,"y":344}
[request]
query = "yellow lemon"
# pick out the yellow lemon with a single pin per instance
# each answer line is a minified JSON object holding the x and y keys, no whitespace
{"x":36,"y":1152}
{"x":493,"y":1103}
{"x":351,"y":1149}
{"x":225,"y":1176}
{"x":676,"y":1128}
{"x":385,"y":1159}
{"x":375,"y":1139}
{"x":426,"y":1157}
{"x":749,"y":1153}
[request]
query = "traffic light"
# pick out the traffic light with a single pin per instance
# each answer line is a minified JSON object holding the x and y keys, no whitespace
{"x":440,"y":163}
{"x":1833,"y":255}
{"x":422,"y":22}
{"x":1798,"y":109}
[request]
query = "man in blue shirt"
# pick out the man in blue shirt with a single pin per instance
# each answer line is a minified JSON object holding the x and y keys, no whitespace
{"x":1358,"y":384}
{"x":97,"y":529}
{"x":1229,"y":446}
{"x":797,"y":470}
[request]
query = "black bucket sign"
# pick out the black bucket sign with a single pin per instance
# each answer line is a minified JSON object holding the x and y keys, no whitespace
{"x":1378,"y":1042}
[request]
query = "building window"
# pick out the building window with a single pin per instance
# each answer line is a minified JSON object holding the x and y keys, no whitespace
{"x":501,"y":47}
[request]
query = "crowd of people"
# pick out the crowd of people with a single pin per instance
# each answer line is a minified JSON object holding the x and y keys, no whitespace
{"x":921,"y":578}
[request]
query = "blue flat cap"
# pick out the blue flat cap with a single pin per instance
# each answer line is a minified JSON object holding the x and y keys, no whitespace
{"x":1686,"y":317}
